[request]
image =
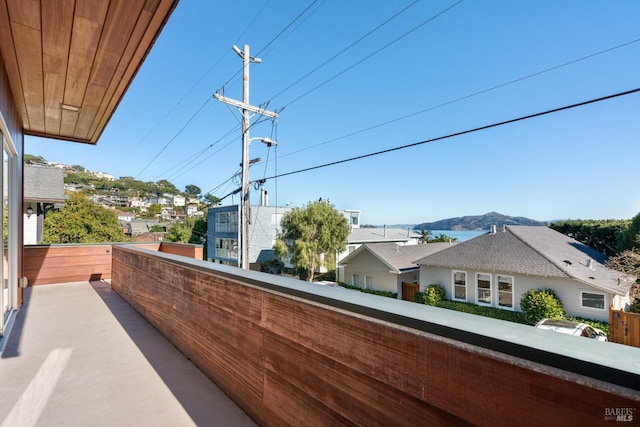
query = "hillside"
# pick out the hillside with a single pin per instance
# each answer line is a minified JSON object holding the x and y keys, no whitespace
{"x":476,"y":222}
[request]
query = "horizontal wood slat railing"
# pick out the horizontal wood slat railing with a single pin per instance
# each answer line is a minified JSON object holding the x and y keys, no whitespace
{"x":50,"y":264}
{"x":289,"y":356}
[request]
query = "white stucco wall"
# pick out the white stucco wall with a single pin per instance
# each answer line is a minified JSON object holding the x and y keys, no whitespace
{"x":365,"y":264}
{"x":569,"y":291}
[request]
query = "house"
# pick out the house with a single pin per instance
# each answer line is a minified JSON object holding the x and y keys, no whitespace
{"x":385,"y":266}
{"x":266,"y":340}
{"x":43,"y":189}
{"x":497,"y":268}
{"x":359,"y":236}
{"x":223,"y":233}
{"x":178,"y":200}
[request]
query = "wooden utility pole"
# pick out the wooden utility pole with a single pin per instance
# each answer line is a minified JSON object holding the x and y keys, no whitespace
{"x":246,"y":108}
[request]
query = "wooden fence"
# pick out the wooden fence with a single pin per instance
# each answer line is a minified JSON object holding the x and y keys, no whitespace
{"x":624,"y":327}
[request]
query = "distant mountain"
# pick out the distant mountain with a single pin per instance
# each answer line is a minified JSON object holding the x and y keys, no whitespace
{"x":477,"y":222}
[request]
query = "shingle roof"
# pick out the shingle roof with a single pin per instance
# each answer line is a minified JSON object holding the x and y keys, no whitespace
{"x":398,"y":257}
{"x":535,"y":251}
{"x":372,"y":235}
{"x":43,"y":184}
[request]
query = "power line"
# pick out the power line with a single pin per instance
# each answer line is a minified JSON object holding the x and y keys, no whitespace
{"x":346,"y":48}
{"x":373,"y":53}
{"x":462,"y":98}
{"x":468,"y":131}
{"x":174,"y":137}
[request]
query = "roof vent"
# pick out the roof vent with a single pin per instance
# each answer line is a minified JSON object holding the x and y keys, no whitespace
{"x":493,"y":229}
{"x":590,"y":263}
{"x":567,"y":262}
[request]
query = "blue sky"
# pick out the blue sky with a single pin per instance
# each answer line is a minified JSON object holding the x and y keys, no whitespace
{"x":439,"y":58}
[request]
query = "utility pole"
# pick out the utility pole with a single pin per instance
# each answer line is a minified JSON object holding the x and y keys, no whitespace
{"x":246,"y":108}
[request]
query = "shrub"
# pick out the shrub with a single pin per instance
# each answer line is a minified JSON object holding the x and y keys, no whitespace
{"x":493,"y":312}
{"x":433,"y":294}
{"x":536,"y":304}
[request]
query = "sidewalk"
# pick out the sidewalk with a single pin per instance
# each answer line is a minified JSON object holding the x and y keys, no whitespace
{"x":79,"y":356}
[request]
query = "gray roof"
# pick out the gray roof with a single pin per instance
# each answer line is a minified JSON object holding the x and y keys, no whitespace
{"x":535,"y":251}
{"x":373,"y":235}
{"x":398,"y":257}
{"x":43,"y":184}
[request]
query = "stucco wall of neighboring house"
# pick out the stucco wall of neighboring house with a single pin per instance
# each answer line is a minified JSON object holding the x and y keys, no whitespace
{"x":367,"y":265}
{"x":30,"y":229}
{"x":569,"y":291}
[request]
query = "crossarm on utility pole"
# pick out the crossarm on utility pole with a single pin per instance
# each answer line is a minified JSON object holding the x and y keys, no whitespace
{"x":244,"y":106}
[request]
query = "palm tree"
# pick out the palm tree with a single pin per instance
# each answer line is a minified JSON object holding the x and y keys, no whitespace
{"x":425,"y":236}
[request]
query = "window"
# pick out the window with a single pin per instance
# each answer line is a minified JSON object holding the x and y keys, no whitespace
{"x":483,"y":283}
{"x":592,"y":300}
{"x":227,"y":222}
{"x":460,"y":285}
{"x":505,"y":291}
{"x":368,"y":282}
{"x":226,"y":248}
{"x":355,"y":280}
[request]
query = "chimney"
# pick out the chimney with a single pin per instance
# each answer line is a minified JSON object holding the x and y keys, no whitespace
{"x":493,"y":229}
{"x":264,"y":197}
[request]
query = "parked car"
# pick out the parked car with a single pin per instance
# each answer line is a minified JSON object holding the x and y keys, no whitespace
{"x":572,"y":328}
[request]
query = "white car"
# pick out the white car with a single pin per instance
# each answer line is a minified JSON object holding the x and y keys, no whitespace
{"x":572,"y":328}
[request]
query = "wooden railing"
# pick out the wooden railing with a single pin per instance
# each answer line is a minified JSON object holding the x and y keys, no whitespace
{"x":50,"y":264}
{"x":290,"y":353}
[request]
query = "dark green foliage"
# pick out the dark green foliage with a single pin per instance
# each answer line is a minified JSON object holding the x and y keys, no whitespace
{"x":495,"y":313}
{"x":601,"y":235}
{"x":370,"y":291}
{"x":536,"y":304}
{"x":82,"y":221}
{"x":433,"y":294}
{"x":629,"y":238}
{"x":272,"y":266}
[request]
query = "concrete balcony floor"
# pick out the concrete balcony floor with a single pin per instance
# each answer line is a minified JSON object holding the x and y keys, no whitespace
{"x":79,"y":355}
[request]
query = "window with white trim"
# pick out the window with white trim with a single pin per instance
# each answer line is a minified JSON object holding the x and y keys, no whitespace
{"x":460,"y":285}
{"x":483,"y":287}
{"x":592,"y":300}
{"x":505,"y":291}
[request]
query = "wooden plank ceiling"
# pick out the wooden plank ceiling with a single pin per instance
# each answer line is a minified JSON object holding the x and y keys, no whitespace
{"x":70,"y":62}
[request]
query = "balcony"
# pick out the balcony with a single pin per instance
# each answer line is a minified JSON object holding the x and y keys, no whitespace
{"x":286,"y":352}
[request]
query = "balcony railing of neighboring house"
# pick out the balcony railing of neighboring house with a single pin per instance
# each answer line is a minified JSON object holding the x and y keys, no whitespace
{"x":291,"y":353}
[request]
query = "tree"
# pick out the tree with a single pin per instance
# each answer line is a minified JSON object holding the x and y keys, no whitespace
{"x":30,"y":158}
{"x":211,"y":200}
{"x":82,"y":221}
{"x":179,"y":232}
{"x":629,"y":262}
{"x":192,"y":190}
{"x":164,"y":186}
{"x":425,"y":236}
{"x":311,"y":236}
{"x":152,"y":211}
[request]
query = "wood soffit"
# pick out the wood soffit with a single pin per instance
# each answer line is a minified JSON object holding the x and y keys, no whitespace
{"x":69,"y":62}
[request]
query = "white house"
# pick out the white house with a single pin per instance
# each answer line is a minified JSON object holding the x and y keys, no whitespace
{"x":179,"y":200}
{"x":386,"y":266}
{"x":497,"y":268}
